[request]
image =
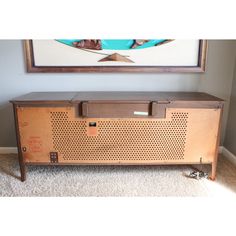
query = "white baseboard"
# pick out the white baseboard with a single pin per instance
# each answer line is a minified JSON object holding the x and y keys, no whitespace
{"x":220,"y":150}
{"x":8,"y":150}
{"x":229,"y":155}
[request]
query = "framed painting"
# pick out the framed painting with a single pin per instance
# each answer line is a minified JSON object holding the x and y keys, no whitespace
{"x":115,"y":55}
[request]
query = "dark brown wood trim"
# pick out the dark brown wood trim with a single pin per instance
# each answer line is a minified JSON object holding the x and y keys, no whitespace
{"x":29,"y":57}
{"x":171,"y":104}
{"x":43,"y":103}
{"x":113,"y":97}
{"x":20,"y":156}
{"x":113,"y":164}
{"x":203,"y":55}
{"x":111,"y":69}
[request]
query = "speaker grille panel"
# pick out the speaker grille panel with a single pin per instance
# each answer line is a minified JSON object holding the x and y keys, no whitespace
{"x":120,"y":140}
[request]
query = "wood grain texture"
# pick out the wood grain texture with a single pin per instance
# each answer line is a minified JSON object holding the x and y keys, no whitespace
{"x":114,"y":110}
{"x":18,"y":139}
{"x":215,"y":159}
{"x":113,"y":96}
{"x":179,"y":128}
{"x":45,"y":97}
{"x":31,"y":67}
{"x":36,"y":134}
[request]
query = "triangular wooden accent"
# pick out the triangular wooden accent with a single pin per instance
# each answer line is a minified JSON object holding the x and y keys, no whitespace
{"x":115,"y":57}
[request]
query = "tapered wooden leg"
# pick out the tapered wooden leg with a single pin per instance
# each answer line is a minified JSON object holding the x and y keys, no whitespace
{"x":215,"y":160}
{"x":213,"y":170}
{"x":20,"y":156}
{"x":22,"y":172}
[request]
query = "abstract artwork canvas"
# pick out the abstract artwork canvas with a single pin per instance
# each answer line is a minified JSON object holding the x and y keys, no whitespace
{"x":115,"y":55}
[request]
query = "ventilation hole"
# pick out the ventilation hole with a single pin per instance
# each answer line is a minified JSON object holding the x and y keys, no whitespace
{"x":120,"y":140}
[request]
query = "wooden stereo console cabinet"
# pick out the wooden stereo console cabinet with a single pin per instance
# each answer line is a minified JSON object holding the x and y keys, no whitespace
{"x":117,"y":128}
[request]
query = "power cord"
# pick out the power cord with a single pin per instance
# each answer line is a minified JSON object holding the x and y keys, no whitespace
{"x":198,"y":174}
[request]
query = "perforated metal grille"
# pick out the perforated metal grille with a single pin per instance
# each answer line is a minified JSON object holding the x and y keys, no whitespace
{"x":120,"y":140}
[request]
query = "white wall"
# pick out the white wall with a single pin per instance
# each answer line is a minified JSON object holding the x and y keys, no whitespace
{"x":230,"y":137}
{"x":15,"y":81}
{"x":219,"y":75}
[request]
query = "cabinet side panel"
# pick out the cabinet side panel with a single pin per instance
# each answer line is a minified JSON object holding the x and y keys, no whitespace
{"x":201,"y":139}
{"x":35,"y":133}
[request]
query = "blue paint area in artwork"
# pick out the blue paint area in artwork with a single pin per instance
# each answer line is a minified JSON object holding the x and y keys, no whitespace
{"x":114,"y":44}
{"x":117,"y":44}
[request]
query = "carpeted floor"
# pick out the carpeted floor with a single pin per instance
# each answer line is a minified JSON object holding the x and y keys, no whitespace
{"x":113,"y":180}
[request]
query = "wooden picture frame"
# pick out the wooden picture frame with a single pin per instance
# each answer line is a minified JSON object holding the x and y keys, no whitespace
{"x":31,"y":67}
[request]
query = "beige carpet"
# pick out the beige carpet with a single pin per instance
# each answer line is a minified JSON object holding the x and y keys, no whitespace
{"x":113,"y":180}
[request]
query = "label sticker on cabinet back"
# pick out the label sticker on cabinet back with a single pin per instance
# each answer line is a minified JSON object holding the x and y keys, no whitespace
{"x":141,"y":113}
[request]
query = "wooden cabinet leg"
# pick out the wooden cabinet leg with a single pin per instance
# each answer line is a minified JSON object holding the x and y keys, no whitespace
{"x":214,"y":163}
{"x":22,"y":172}
{"x":213,"y":170}
{"x":20,"y":156}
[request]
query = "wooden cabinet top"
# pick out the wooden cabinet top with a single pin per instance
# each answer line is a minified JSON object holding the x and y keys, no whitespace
{"x":74,"y":97}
